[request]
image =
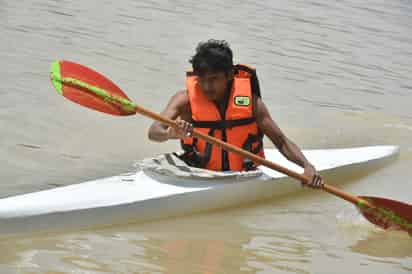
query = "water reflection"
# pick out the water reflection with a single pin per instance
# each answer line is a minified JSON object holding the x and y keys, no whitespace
{"x":164,"y":247}
{"x":282,"y":253}
{"x":385,"y":244}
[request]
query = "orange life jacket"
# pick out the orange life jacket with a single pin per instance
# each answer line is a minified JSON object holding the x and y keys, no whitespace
{"x":238,"y":127}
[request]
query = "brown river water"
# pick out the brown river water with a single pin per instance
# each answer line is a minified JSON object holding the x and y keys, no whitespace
{"x":332,"y":73}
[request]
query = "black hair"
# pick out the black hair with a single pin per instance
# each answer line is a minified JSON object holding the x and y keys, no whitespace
{"x":212,"y":56}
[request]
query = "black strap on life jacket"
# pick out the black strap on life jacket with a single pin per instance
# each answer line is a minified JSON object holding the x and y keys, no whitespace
{"x":254,"y":82}
{"x":223,"y":123}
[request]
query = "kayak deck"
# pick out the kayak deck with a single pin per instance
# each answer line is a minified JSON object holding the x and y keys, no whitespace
{"x":146,"y":195}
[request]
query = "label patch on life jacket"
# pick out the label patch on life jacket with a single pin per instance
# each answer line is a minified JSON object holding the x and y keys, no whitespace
{"x":242,"y":101}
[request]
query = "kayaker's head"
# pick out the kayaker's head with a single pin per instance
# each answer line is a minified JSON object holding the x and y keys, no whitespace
{"x":213,"y":64}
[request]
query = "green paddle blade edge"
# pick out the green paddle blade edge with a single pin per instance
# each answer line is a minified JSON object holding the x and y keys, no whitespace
{"x":55,"y":77}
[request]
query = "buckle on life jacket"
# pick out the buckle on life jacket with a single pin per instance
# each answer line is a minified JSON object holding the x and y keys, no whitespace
{"x":253,"y":144}
{"x":192,"y":157}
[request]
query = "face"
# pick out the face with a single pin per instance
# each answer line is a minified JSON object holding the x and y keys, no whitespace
{"x":213,"y":84}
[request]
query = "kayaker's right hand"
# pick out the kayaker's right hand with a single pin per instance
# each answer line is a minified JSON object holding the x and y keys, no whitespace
{"x":182,"y":130}
{"x":315,"y":180}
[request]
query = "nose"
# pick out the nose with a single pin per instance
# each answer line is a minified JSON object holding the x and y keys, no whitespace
{"x":206,"y":86}
{"x":208,"y":89}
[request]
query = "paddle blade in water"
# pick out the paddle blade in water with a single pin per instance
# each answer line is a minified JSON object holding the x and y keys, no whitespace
{"x":89,"y":88}
{"x":387,"y":214}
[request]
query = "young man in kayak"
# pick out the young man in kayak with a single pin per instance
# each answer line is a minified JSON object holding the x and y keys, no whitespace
{"x":223,"y":100}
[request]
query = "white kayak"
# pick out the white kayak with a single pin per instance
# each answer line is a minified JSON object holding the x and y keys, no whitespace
{"x":155,"y":193}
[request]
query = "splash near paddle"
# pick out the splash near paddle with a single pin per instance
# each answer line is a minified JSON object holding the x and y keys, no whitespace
{"x":93,"y":90}
{"x":89,"y":88}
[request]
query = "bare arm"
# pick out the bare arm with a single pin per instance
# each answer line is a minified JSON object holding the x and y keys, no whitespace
{"x":178,"y":107}
{"x":288,"y":148}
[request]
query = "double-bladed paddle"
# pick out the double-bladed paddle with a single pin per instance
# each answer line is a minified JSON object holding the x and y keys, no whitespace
{"x":93,"y":90}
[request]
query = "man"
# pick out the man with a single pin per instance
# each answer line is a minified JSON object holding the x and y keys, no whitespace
{"x":223,"y":100}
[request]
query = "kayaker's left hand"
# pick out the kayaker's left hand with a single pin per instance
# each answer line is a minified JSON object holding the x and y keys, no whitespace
{"x":182,"y":130}
{"x":316,"y":180}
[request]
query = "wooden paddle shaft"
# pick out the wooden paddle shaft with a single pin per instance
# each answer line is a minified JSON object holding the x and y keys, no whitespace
{"x":246,"y":154}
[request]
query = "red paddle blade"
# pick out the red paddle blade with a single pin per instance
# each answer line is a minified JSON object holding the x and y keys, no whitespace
{"x":387,"y":214}
{"x":89,"y":88}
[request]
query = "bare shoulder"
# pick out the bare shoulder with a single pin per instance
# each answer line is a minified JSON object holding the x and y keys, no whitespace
{"x":183,"y":102}
{"x":179,"y":99}
{"x":178,"y":105}
{"x":181,"y":95}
